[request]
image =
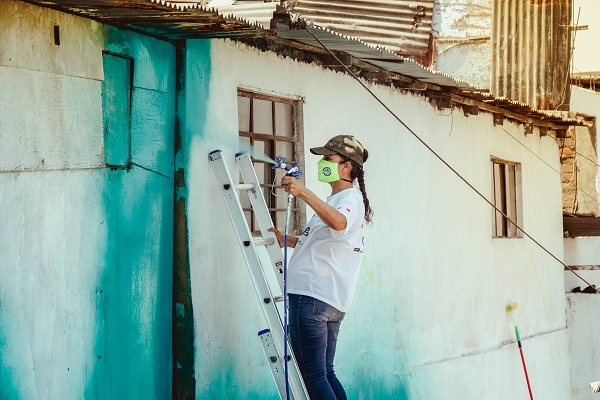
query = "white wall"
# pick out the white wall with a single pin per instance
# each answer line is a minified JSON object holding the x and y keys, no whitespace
{"x":583,"y":312}
{"x":50,"y":224}
{"x":429,"y":318}
{"x":584,"y":250}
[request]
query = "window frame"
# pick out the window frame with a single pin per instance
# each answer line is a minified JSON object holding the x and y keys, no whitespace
{"x":507,"y":197}
{"x":277,"y":212}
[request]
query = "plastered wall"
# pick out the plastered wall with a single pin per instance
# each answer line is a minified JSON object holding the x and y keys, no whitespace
{"x":429,"y":316}
{"x":85,"y":251}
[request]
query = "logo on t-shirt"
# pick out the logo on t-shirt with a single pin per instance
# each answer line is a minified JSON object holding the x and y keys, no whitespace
{"x":306,"y":231}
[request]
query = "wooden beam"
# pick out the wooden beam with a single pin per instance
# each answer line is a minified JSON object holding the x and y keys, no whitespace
{"x":456,"y":98}
{"x":583,"y":268}
{"x":580,"y":226}
{"x":470,"y":110}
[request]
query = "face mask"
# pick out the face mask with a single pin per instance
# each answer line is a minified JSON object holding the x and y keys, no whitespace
{"x":328,"y":171}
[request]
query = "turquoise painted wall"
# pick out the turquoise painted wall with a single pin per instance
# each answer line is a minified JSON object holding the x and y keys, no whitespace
{"x":85,"y":251}
{"x":134,"y":340}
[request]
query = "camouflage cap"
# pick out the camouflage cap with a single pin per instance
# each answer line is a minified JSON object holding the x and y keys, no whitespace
{"x":346,"y":145}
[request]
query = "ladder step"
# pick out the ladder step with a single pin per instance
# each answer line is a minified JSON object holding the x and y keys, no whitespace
{"x":263,"y":241}
{"x":297,"y":390}
{"x":277,"y":299}
{"x":244,"y":186}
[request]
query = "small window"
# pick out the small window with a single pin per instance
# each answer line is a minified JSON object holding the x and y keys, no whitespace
{"x":506,"y":181}
{"x":116,"y":109}
{"x":268,"y":127}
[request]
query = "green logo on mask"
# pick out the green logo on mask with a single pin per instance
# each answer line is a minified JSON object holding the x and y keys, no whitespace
{"x":328,"y":171}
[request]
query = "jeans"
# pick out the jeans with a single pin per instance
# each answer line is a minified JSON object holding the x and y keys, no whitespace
{"x":313,"y":330}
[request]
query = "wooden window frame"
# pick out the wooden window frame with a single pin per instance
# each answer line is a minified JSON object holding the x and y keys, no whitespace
{"x":270,"y":188}
{"x":507,"y":197}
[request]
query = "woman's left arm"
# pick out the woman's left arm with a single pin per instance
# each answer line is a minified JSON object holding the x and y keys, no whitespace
{"x":328,"y":214}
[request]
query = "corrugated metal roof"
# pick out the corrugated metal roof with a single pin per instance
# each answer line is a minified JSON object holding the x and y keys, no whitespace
{"x":188,"y":21}
{"x":377,"y":56}
{"x":253,"y":12}
{"x":167,"y":20}
{"x":403,"y":27}
{"x":531,"y":52}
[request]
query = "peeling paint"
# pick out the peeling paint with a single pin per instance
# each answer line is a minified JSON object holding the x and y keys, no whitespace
{"x":184,"y":380}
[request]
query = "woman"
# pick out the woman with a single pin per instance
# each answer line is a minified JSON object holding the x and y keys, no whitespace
{"x":324,"y":269}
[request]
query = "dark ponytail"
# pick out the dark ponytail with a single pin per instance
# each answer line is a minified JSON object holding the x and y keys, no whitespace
{"x":359,"y":174}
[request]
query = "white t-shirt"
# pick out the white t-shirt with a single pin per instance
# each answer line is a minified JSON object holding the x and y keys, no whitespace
{"x":326,"y":263}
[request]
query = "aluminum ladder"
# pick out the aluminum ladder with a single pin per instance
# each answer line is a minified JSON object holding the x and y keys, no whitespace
{"x":271,"y":338}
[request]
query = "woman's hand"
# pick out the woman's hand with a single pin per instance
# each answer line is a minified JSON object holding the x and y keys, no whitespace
{"x":291,"y":242}
{"x":292,"y":186}
{"x":278,"y":235}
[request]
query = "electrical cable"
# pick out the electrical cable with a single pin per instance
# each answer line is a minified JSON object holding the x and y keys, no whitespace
{"x":550,"y":166}
{"x":445,"y":162}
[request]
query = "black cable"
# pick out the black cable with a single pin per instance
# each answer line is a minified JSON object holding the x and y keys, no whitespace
{"x":445,"y":162}
{"x":551,"y":167}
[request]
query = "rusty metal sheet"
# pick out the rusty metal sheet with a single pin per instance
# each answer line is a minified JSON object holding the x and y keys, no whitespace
{"x":158,"y":18}
{"x":403,"y":27}
{"x":531,"y":52}
{"x":368,"y":53}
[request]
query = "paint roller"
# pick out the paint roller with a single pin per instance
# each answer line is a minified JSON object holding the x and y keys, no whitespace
{"x":509,"y":309}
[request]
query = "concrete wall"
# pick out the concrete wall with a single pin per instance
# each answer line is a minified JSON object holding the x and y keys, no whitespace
{"x":586,"y":102}
{"x":462,"y":36}
{"x":85,"y":252}
{"x":582,"y":313}
{"x":429,"y":320}
{"x":584,"y":250}
{"x":582,"y":310}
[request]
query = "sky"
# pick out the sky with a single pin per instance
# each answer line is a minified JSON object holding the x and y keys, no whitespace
{"x":585,"y":55}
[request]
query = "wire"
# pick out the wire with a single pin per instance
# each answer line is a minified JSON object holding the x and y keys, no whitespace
{"x":445,"y":162}
{"x":570,"y":66}
{"x":550,"y":166}
{"x":274,"y":186}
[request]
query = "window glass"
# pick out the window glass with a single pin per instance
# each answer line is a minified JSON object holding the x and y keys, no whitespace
{"x":262,"y":116}
{"x":284,"y":120}
{"x":244,"y":114}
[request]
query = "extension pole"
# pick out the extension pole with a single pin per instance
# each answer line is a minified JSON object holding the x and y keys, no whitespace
{"x":285,"y":305}
{"x":523,"y":360}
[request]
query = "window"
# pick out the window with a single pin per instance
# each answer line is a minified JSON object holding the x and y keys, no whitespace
{"x":116,"y":109}
{"x":269,"y":127}
{"x":506,"y":181}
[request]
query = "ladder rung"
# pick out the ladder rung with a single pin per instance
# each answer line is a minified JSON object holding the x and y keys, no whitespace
{"x":263,"y":242}
{"x":277,"y":299}
{"x":244,"y":186}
